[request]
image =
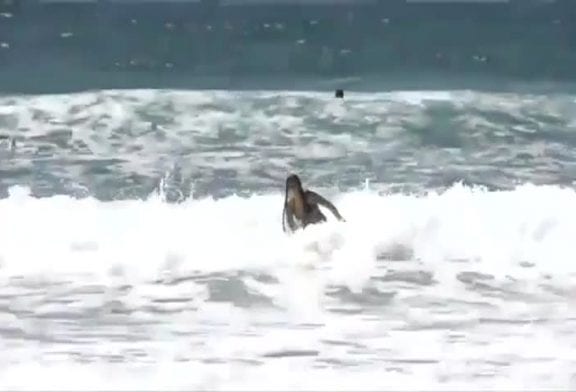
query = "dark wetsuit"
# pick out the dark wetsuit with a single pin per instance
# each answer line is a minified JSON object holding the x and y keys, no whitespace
{"x":301,"y":208}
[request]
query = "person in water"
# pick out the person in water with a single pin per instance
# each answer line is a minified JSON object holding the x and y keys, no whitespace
{"x":301,"y":207}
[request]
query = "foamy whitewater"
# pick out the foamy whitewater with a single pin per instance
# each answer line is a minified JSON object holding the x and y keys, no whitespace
{"x":141,"y":245}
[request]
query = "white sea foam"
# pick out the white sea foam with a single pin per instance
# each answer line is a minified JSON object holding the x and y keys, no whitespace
{"x":525,"y":233}
{"x":495,"y":231}
{"x":522,"y":240}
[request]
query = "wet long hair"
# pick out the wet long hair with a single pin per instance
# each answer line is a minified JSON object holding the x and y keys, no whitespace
{"x":293,"y":190}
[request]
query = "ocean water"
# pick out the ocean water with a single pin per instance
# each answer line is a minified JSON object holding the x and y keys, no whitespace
{"x":141,"y":245}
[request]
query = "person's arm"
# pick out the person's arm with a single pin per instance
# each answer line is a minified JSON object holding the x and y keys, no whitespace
{"x":314,"y":198}
{"x":289,"y":218}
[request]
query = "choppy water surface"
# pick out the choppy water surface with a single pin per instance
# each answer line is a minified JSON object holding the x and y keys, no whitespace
{"x":141,"y":243}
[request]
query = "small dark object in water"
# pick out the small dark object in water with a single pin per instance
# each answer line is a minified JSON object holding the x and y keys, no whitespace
{"x":339,"y":93}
